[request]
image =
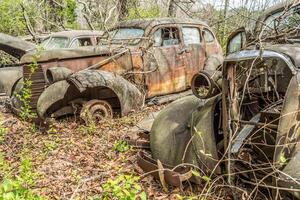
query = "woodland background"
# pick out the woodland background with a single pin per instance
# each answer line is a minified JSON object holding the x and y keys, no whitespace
{"x":33,"y":17}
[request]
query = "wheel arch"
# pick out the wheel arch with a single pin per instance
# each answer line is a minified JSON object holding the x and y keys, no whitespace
{"x":90,"y":84}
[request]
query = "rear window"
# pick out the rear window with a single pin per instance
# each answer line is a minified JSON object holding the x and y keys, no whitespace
{"x":191,"y":35}
{"x":81,"y":42}
{"x":55,"y":43}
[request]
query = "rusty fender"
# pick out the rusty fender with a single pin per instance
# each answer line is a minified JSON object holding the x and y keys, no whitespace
{"x":76,"y":85}
{"x":55,"y":74}
{"x":8,"y":77}
{"x":14,"y":46}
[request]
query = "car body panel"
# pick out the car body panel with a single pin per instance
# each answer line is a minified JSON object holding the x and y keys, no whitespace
{"x":15,"y":46}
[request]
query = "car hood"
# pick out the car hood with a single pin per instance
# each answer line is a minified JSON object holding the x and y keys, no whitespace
{"x":61,"y":54}
{"x":15,"y":46}
{"x":292,"y":51}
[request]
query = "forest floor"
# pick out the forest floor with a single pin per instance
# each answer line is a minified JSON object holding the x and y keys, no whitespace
{"x":76,"y":161}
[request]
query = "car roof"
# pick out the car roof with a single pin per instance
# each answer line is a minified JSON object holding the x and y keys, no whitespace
{"x":148,"y":23}
{"x":76,"y":33}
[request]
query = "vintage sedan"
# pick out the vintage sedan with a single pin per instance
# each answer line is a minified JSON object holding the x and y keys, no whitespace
{"x":17,"y":48}
{"x":243,"y":123}
{"x":138,"y":60}
{"x":72,"y":39}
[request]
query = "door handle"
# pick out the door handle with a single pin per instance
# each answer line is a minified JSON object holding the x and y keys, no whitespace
{"x":182,"y":51}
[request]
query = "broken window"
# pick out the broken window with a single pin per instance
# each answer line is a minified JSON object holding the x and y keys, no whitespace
{"x":81,"y":42}
{"x":282,"y":21}
{"x":166,"y":36}
{"x":128,"y":35}
{"x":191,"y":35}
{"x":208,"y":36}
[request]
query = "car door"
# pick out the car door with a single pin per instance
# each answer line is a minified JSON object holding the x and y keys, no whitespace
{"x":164,"y":62}
{"x":194,"y":51}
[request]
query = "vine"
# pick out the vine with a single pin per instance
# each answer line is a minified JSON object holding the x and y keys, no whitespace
{"x":25,"y":95}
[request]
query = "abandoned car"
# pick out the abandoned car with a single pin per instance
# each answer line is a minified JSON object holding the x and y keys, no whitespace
{"x":138,"y":60}
{"x":244,"y":120}
{"x":72,"y":39}
{"x":64,"y":39}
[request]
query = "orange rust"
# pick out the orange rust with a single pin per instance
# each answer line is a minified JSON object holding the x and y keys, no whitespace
{"x":158,"y":70}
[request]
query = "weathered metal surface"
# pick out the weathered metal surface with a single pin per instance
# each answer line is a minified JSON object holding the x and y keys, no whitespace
{"x":96,"y":110}
{"x":271,"y":76}
{"x":15,"y":46}
{"x":207,"y":84}
{"x":55,"y":74}
{"x":126,"y":93}
{"x":8,"y":77}
{"x":154,"y":70}
{"x":56,"y":92}
{"x":255,"y":121}
{"x":171,"y":131}
{"x":171,"y":176}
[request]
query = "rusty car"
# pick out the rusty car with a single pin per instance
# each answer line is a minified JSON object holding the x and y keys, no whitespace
{"x":136,"y":61}
{"x":17,"y":48}
{"x":243,"y":122}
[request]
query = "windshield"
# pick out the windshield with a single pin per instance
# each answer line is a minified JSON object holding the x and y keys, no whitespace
{"x":55,"y":43}
{"x":127,"y":35}
{"x":282,"y":22}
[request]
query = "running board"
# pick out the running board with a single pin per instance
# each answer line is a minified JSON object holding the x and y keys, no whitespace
{"x":168,"y":98}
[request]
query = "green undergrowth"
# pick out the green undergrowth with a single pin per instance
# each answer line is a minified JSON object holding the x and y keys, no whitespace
{"x":26,"y":112}
{"x":123,"y":187}
{"x":20,"y":186}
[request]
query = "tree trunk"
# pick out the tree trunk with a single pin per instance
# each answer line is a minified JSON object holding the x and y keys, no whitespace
{"x":122,"y":9}
{"x":226,"y":5}
{"x":171,"y":8}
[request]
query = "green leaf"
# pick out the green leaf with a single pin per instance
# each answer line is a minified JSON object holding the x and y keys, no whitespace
{"x":143,"y":196}
{"x":9,"y":196}
{"x":206,"y":178}
{"x":195,"y":173}
{"x":282,"y":159}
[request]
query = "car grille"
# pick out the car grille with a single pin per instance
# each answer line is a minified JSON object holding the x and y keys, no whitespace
{"x":38,"y":84}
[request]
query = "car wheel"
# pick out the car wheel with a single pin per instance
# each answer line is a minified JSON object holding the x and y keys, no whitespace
{"x":96,"y":110}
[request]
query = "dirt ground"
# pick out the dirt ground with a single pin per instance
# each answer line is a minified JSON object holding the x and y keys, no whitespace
{"x":74,"y":160}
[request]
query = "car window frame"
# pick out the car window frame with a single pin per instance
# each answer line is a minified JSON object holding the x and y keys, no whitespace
{"x":192,"y":26}
{"x":241,"y":31}
{"x":79,"y":37}
{"x":107,"y":36}
{"x":155,"y":28}
{"x":67,"y":43}
{"x":211,"y":32}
